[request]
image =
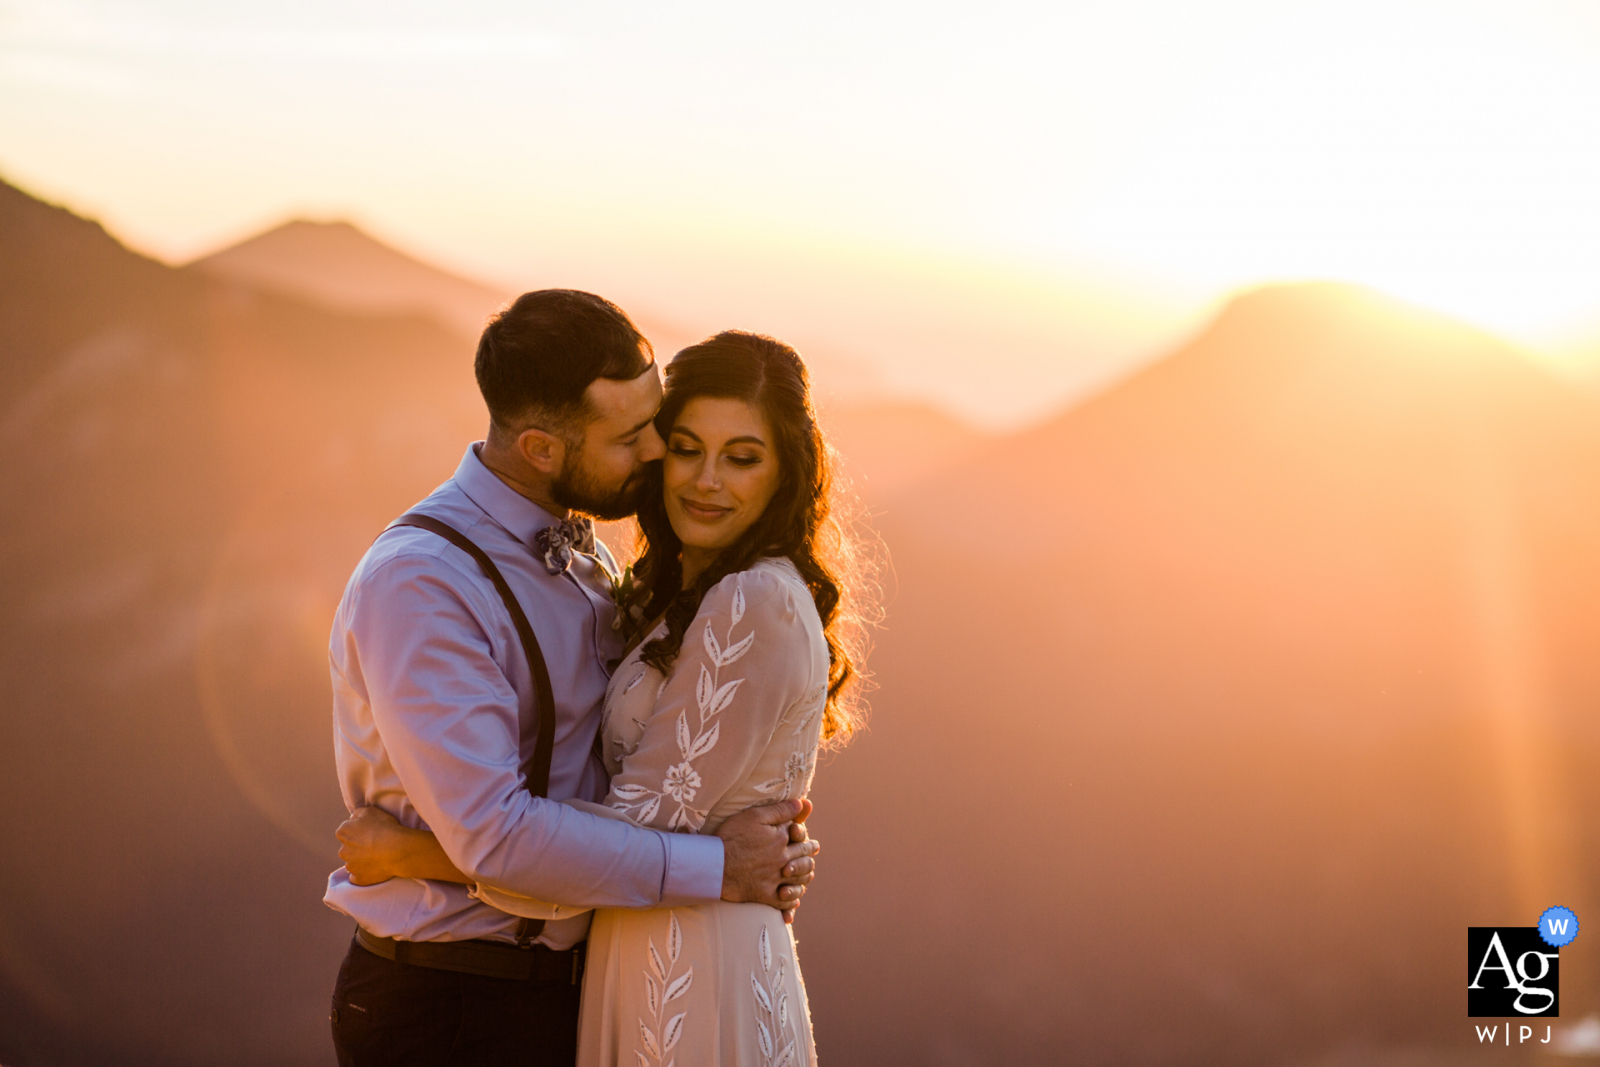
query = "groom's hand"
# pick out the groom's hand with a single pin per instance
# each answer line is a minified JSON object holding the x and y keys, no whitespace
{"x":768,"y":857}
{"x":798,"y":873}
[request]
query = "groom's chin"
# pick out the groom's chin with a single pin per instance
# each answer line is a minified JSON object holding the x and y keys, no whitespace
{"x":611,"y":513}
{"x":624,"y":504}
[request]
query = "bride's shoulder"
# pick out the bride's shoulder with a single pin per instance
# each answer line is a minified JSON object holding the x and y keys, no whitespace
{"x":770,"y":588}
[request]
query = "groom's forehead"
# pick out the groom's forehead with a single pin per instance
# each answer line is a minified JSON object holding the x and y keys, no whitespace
{"x":631,"y":401}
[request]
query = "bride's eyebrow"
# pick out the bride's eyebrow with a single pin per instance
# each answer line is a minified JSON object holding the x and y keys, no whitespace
{"x":746,"y":440}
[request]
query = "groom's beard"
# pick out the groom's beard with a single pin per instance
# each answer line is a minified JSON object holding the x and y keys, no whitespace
{"x":576,"y":490}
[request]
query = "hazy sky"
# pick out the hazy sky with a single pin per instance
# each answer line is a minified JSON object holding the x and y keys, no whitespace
{"x":990,"y":205}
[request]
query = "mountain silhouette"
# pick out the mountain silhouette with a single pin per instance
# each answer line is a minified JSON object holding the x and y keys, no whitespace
{"x":340,"y":266}
{"x":1212,"y":711}
{"x":184,"y":459}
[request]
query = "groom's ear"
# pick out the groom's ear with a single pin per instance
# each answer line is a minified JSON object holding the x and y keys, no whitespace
{"x":543,"y":451}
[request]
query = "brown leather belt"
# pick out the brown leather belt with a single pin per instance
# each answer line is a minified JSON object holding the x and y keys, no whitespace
{"x":489,"y":959}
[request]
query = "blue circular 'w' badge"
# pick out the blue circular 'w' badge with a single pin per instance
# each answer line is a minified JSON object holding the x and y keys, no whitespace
{"x":1558,"y":926}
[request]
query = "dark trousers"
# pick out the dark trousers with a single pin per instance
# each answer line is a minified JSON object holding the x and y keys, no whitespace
{"x":388,"y":1014}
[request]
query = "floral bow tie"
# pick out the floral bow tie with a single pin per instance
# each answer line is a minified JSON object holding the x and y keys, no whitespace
{"x":557,"y":543}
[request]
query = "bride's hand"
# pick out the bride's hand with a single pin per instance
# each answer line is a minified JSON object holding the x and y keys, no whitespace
{"x":373,"y":845}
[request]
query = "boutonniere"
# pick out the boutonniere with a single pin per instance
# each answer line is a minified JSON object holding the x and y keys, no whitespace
{"x":622,"y":590}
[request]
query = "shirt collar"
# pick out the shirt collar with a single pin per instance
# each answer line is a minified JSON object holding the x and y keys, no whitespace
{"x":519,"y":515}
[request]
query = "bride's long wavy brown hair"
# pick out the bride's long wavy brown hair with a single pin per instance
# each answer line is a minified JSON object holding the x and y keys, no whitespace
{"x":799,"y":522}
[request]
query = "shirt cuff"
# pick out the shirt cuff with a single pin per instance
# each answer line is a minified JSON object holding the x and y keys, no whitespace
{"x":694,"y":870}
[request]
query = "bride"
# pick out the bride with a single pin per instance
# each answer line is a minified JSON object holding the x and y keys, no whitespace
{"x":738,"y":672}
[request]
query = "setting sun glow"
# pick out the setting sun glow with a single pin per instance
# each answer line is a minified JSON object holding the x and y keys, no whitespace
{"x":1069,"y":189}
{"x":1442,"y":155}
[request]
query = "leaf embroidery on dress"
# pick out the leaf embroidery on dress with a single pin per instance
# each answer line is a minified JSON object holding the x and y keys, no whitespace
{"x":772,"y":1017}
{"x":796,"y":776}
{"x":735,"y":652}
{"x":815,"y":701}
{"x":681,"y":782}
{"x":621,"y":749}
{"x":661,"y":989}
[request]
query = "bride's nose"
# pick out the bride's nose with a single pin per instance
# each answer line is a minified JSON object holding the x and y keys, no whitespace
{"x":708,"y":481}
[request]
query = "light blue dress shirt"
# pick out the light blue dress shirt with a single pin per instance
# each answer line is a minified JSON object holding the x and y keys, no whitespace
{"x":433,"y":718}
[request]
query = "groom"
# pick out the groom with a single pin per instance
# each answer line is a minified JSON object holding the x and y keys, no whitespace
{"x":437,"y":714}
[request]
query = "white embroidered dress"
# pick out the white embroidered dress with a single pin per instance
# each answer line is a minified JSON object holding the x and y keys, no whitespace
{"x":736,"y":723}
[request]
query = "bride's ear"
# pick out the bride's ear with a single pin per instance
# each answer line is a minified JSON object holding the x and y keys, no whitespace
{"x":543,"y":451}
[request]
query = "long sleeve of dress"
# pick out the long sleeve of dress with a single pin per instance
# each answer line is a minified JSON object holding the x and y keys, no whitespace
{"x":742,"y":667}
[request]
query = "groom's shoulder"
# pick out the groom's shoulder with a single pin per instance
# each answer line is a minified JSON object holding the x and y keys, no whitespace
{"x":400,"y":556}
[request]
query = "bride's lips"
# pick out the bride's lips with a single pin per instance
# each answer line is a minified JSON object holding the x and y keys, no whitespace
{"x":703,"y":512}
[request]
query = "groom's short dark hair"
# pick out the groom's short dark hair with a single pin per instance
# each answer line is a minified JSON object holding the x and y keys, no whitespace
{"x":537,"y":357}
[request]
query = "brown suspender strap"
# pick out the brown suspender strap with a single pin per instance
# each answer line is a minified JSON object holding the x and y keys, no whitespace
{"x":537,"y":770}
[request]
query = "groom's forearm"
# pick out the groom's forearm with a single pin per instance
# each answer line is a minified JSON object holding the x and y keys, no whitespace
{"x":499,"y":835}
{"x":550,"y":851}
{"x":421,"y":856}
